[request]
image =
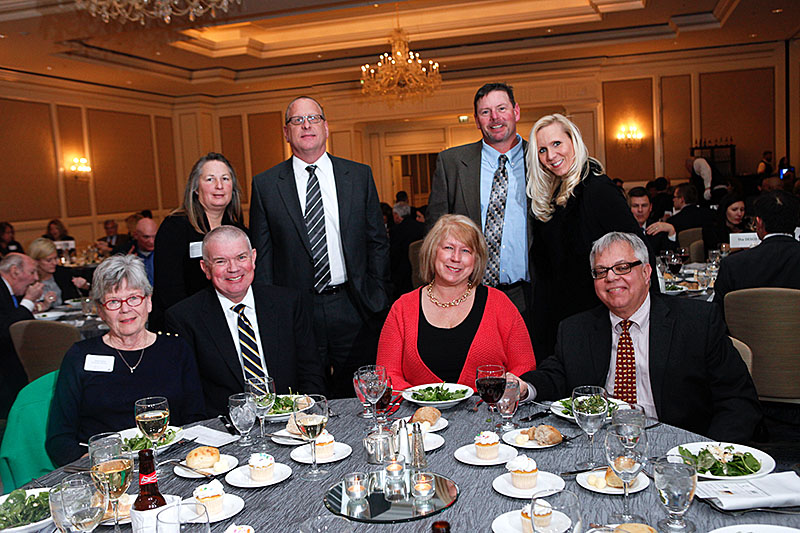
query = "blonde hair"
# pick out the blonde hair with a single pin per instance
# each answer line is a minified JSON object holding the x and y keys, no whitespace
{"x":458,"y":227}
{"x":41,"y":248}
{"x":545,"y":189}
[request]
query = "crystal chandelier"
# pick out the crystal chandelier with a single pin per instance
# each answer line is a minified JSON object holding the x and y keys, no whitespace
{"x":401,"y":74}
{"x":139,"y":10}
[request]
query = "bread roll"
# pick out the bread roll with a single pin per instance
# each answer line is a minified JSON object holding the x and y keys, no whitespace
{"x":545,"y":435}
{"x":633,"y":527}
{"x":291,"y":426}
{"x":612,"y":479}
{"x":202,"y":457}
{"x":426,"y":414}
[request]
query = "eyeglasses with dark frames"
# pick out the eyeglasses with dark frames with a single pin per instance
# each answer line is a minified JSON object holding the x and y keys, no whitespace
{"x":299,"y":119}
{"x":620,"y":269}
{"x":115,"y":304}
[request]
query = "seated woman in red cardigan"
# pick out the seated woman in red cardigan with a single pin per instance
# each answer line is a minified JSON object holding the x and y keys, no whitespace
{"x":445,"y":330}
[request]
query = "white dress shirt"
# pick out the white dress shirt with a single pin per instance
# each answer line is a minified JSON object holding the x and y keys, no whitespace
{"x":640,"y":335}
{"x":232,"y":318}
{"x":27,"y":304}
{"x":330,"y":204}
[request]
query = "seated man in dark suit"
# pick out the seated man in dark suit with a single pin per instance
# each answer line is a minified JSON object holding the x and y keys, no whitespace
{"x":216,"y":323}
{"x":685,"y":370}
{"x":18,"y":292}
{"x":773,"y":263}
{"x":112,"y":239}
{"x":688,"y":213}
{"x":642,"y":210}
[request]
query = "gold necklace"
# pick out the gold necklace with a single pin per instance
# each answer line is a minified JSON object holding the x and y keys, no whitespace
{"x":451,"y":303}
{"x":134,"y":367}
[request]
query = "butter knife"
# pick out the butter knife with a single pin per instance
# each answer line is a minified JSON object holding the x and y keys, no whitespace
{"x":535,"y":416}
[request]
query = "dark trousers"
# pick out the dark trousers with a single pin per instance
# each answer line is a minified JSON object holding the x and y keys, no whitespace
{"x":521,"y":295}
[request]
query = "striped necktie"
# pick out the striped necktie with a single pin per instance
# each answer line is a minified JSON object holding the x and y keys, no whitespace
{"x":495,"y":216}
{"x":625,"y":372}
{"x":251,"y":360}
{"x":315,"y":224}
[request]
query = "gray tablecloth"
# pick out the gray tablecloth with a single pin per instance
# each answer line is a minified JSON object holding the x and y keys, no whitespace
{"x":281,"y":507}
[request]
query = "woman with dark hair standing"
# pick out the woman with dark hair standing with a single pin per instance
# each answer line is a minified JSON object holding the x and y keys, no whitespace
{"x":730,"y":219}
{"x":212,"y":198}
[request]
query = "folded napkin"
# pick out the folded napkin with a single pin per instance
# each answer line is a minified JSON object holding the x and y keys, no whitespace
{"x":209,"y":437}
{"x":773,"y":490}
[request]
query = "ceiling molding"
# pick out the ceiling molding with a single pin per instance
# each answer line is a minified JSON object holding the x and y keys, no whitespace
{"x":610,"y":6}
{"x":695,"y":22}
{"x":725,"y":9}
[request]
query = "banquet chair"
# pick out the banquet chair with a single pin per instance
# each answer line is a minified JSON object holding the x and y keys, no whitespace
{"x":697,"y":252}
{"x":767,"y":319}
{"x":688,"y":236}
{"x":413,"y":256}
{"x":41,"y":344}
{"x":745,"y":352}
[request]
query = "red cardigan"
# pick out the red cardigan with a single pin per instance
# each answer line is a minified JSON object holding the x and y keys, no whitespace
{"x":502,"y":338}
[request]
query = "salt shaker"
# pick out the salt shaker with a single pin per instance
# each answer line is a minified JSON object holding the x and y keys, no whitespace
{"x":402,"y":439}
{"x":418,"y":459}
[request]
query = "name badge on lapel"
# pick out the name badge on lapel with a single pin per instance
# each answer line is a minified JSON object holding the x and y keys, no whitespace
{"x":98,"y":363}
{"x":195,"y":249}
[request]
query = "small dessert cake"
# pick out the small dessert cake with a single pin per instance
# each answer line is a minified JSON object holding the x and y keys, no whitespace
{"x":210,"y":495}
{"x":525,"y":518}
{"x":325,"y":444}
{"x":523,"y":472}
{"x":487,"y":445}
{"x":262,"y":466}
{"x":542,"y":513}
{"x":233,"y":528}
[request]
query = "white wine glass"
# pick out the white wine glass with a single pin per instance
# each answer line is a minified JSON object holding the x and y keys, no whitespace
{"x":589,"y":407}
{"x":152,"y":419}
{"x":365,"y":411}
{"x":57,"y":510}
{"x":675,"y":482}
{"x":84,"y":499}
{"x":116,"y":470}
{"x":507,"y":405}
{"x":104,"y":445}
{"x":626,"y":454}
{"x":263,"y":391}
{"x":310,"y":414}
{"x":183,"y":517}
{"x":555,"y":511}
{"x":242,"y":411}
{"x":372,"y":382}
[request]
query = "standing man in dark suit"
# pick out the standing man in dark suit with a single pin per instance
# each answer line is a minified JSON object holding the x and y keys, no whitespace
{"x":670,"y":355}
{"x":317,"y":224}
{"x":485,"y":181}
{"x":282,"y":340}
{"x":773,"y":263}
{"x":18,"y":292}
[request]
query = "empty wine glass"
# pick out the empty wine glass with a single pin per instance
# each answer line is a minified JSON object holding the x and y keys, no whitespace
{"x":590,"y":407}
{"x":626,"y":454}
{"x":372,"y":381}
{"x":507,"y":405}
{"x":310,"y":414}
{"x":490,"y":382}
{"x":675,"y":482}
{"x":183,"y":517}
{"x":629,"y":413}
{"x":84,"y":499}
{"x":555,"y":511}
{"x":365,"y":412}
{"x":263,"y":391}
{"x":242,"y":412}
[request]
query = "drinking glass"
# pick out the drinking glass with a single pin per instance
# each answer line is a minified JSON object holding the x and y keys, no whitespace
{"x":674,"y":264}
{"x":103,"y":446}
{"x":183,"y":517}
{"x":490,"y":381}
{"x":714,"y":256}
{"x":152,"y":419}
{"x":57,"y":510}
{"x":507,"y":405}
{"x":372,"y":381}
{"x":310,"y":414}
{"x":365,"y":412}
{"x":626,"y":453}
{"x":242,"y":411}
{"x":724,"y":250}
{"x":263,"y":391}
{"x":683,"y":255}
{"x":703,"y":279}
{"x":116,"y":471}
{"x":565,"y":512}
{"x":629,"y":413}
{"x":382,"y":406}
{"x":675,"y":482}
{"x":590,"y":407}
{"x":84,"y":499}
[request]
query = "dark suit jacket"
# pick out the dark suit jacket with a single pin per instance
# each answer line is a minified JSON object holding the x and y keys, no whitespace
{"x":773,"y":263}
{"x":279,"y":234}
{"x":284,"y":323}
{"x":400,"y":237}
{"x":691,"y":216}
{"x":121,"y":240}
{"x":12,"y":374}
{"x":699,"y":381}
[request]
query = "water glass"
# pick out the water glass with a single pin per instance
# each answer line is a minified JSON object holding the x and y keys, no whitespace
{"x":242,"y":412}
{"x":675,"y":482}
{"x":104,"y":446}
{"x":365,"y":412}
{"x":714,"y":257}
{"x":724,"y":250}
{"x":556,"y":511}
{"x":84,"y":500}
{"x":183,"y":517}
{"x":507,"y":405}
{"x":703,"y":279}
{"x":590,"y":407}
{"x":626,"y":453}
{"x":57,"y":510}
{"x":629,"y":413}
{"x":372,"y":382}
{"x":263,"y":391}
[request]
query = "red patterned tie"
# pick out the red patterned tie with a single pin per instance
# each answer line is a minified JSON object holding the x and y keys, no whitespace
{"x":625,"y":373}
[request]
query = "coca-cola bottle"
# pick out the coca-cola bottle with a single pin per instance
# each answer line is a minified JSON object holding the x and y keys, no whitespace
{"x":149,"y":496}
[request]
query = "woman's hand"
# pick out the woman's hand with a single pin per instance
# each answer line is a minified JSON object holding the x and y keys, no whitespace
{"x":80,"y":283}
{"x":659,"y":227}
{"x":523,"y":386}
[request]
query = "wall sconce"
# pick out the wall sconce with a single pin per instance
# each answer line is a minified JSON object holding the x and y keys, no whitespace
{"x":80,"y":168}
{"x":463,"y":119}
{"x":630,"y":137}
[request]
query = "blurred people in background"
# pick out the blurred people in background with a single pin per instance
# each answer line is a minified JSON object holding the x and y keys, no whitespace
{"x":145,"y":239}
{"x":406,"y":230}
{"x":112,"y":239}
{"x":730,"y":219}
{"x":765,"y":165}
{"x":57,"y":232}
{"x":8,"y":244}
{"x":661,"y":199}
{"x":687,"y":213}
{"x":59,"y":283}
{"x":642,"y":209}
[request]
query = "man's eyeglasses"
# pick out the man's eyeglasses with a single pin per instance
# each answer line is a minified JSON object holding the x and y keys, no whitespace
{"x":299,"y":119}
{"x":620,"y":269}
{"x":132,"y":301}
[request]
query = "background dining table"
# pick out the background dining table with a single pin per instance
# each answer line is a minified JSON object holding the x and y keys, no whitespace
{"x":282,"y":507}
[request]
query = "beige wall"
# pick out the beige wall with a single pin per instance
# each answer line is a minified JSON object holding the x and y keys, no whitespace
{"x":629,"y":103}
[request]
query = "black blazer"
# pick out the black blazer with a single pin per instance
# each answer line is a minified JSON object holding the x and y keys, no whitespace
{"x":284,"y":323}
{"x":12,"y":374}
{"x":699,"y":381}
{"x":691,"y":216}
{"x":280,"y":237}
{"x":773,"y":263}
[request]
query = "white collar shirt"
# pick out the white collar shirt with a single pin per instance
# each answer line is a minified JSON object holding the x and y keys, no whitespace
{"x":232,"y":318}
{"x":330,"y":203}
{"x":640,"y":335}
{"x":24,"y":302}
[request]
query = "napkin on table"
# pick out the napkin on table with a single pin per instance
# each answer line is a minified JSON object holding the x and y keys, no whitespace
{"x":773,"y":490}
{"x":209,"y":437}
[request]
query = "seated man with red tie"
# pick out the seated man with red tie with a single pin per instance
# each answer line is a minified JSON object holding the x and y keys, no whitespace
{"x":240,"y":330}
{"x":685,"y":370}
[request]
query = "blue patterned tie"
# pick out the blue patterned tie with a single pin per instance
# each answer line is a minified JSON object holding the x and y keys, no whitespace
{"x":495,"y":216}
{"x":315,"y":224}
{"x":251,"y":360}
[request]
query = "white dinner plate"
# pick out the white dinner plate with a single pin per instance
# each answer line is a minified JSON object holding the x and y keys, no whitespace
{"x":285,"y":416}
{"x":36,"y":526}
{"x":755,"y":528}
{"x":49,"y":315}
{"x":231,"y":506}
{"x":510,"y":522}
{"x":240,"y":477}
{"x":466,"y":454}
{"x":679,"y":290}
{"x":438,"y":426}
{"x":557,"y":409}
{"x":766,"y":460}
{"x":178,"y":470}
{"x":408,"y":394}
{"x":74,"y":303}
{"x":510,"y":437}
{"x":134,"y":432}
{"x":302,"y":454}
{"x":640,"y":483}
{"x":432,"y":441}
{"x":545,"y":481}
{"x":286,"y":438}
